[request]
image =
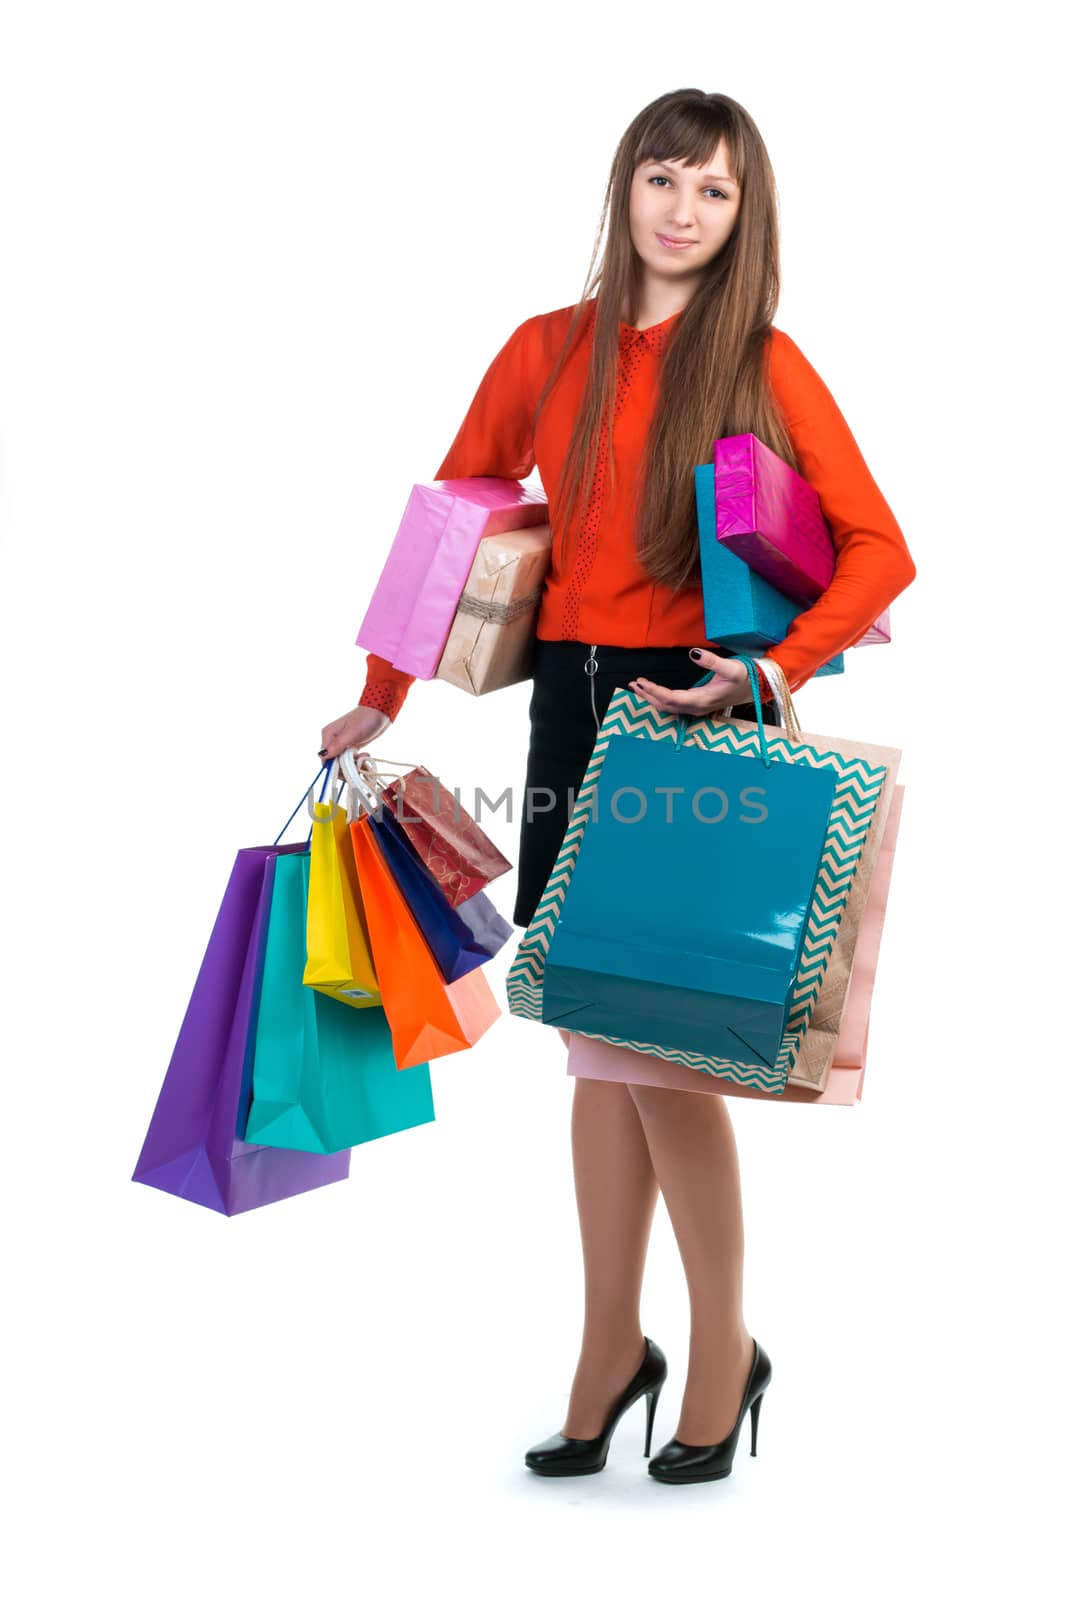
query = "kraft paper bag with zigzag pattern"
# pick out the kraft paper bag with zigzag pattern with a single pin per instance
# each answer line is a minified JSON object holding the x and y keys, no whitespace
{"x":865,"y":776}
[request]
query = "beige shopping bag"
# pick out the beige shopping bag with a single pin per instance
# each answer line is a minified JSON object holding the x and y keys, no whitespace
{"x":813,"y":1061}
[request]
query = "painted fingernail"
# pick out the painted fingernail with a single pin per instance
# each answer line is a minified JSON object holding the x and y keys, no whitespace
{"x":696,"y":654}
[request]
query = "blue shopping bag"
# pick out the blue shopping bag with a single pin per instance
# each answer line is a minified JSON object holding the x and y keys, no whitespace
{"x":686,"y":910}
{"x":742,"y":611}
{"x":460,"y":938}
{"x":324,"y":1074}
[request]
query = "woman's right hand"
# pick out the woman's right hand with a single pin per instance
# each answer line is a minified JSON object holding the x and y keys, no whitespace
{"x":353,"y":731}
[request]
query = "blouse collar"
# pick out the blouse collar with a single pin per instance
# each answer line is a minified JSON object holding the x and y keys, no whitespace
{"x":654,"y":337}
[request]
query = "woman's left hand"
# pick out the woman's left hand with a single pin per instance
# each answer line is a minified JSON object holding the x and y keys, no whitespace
{"x":729,"y":687}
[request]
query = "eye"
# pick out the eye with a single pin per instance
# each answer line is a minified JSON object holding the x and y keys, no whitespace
{"x":658,"y":177}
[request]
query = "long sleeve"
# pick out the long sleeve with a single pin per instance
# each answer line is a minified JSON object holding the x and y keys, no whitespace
{"x":495,"y":440}
{"x":386,"y":686}
{"x":873,"y":563}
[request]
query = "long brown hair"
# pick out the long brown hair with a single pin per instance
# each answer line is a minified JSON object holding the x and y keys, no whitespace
{"x":713,"y":381}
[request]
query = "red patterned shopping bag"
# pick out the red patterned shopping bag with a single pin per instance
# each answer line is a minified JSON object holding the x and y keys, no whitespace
{"x":451,"y":845}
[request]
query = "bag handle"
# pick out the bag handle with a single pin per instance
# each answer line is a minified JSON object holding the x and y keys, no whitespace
{"x":369,"y":770}
{"x":753,"y":678}
{"x":783,"y":696}
{"x":334,"y":782}
{"x":783,"y":699}
{"x":393,"y":766}
{"x":359,"y":789}
{"x":305,"y":799}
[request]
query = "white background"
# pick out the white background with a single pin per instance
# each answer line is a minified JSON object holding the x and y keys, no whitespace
{"x":255,"y":260}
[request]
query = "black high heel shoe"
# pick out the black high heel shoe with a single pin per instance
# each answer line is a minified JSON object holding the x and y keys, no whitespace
{"x":695,"y":1463}
{"x":560,"y":1457}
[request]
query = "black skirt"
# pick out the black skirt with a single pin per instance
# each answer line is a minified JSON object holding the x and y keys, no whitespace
{"x":562,"y":735}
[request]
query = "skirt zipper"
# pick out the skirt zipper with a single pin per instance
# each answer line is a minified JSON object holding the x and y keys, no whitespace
{"x":590,"y":666}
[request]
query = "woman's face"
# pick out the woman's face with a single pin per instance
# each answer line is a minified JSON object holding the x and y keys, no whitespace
{"x":696,"y":204}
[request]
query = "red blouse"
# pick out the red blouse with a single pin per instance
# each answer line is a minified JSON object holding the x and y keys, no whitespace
{"x":600,"y":594}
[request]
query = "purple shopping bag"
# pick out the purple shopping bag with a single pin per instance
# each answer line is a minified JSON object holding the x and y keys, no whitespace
{"x":191,"y":1148}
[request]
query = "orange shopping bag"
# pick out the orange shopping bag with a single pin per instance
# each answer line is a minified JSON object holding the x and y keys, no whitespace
{"x":427,"y":1016}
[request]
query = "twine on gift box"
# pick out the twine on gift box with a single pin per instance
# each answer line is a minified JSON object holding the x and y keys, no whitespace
{"x":501,"y":611}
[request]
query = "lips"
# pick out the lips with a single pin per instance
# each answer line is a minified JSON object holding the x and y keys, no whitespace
{"x":674,"y":244}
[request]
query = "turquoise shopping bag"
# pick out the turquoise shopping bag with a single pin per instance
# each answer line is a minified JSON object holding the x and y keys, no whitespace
{"x":324,"y":1075}
{"x":687,"y":907}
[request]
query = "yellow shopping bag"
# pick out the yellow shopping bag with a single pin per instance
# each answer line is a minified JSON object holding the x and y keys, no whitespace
{"x":338,"y":947}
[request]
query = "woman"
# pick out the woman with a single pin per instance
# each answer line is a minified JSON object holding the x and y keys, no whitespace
{"x":677,"y":349}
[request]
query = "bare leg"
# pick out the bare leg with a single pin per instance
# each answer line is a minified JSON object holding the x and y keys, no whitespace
{"x":616,"y":1191}
{"x":691,"y":1142}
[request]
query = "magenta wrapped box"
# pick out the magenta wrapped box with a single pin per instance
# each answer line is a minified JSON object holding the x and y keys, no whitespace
{"x":413,"y":606}
{"x":769,"y":515}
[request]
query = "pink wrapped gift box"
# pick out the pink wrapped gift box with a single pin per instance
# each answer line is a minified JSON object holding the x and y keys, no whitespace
{"x":878,"y":632}
{"x":769,"y":515}
{"x":414,"y":603}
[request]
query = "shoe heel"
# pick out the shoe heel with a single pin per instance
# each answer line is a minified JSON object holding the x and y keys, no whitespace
{"x":754,"y":1419}
{"x":651,"y":1402}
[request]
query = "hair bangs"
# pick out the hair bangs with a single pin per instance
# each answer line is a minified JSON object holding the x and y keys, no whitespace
{"x":690,"y":134}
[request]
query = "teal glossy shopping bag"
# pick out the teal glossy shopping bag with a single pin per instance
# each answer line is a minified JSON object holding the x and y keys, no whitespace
{"x":687,"y":906}
{"x":324,"y":1074}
